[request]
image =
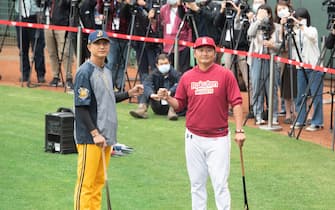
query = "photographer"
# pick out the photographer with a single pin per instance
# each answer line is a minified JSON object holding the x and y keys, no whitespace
{"x":306,"y":37}
{"x":234,"y":36}
{"x":30,"y":13}
{"x":170,"y":21}
{"x":254,"y":7}
{"x":144,"y":26}
{"x":204,"y":12}
{"x":282,"y":11}
{"x":118,"y":22}
{"x":264,"y":40}
{"x":56,"y":41}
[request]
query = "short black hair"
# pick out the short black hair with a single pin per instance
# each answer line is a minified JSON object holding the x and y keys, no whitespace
{"x":162,"y":56}
{"x":303,"y":13}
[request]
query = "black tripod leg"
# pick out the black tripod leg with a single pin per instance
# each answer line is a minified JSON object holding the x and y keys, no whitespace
{"x":35,"y":42}
{"x":142,"y":52}
{"x":313,"y":97}
{"x":309,"y":83}
{"x":259,"y":91}
{"x":7,"y":27}
{"x":128,"y":49}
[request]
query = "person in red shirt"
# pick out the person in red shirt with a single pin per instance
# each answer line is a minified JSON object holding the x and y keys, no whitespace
{"x":206,"y":91}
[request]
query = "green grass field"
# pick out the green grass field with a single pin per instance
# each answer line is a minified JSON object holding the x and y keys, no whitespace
{"x":281,"y":173}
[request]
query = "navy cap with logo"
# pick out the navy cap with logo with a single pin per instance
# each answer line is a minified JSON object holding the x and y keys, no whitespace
{"x":97,"y":35}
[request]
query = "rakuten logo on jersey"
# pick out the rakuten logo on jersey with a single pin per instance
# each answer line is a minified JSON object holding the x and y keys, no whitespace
{"x":204,"y":87}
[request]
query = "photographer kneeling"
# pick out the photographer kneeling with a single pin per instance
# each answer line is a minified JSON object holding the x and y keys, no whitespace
{"x":164,"y":76}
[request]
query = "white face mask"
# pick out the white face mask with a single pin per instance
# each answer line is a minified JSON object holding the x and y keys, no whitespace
{"x":164,"y":68}
{"x":303,"y":22}
{"x":171,"y":2}
{"x":255,"y":7}
{"x":284,"y":13}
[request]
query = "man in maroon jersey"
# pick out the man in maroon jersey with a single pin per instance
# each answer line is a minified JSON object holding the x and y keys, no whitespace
{"x":206,"y":91}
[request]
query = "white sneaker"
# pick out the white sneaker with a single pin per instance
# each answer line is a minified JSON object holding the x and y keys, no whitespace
{"x":314,"y":127}
{"x":275,"y":122}
{"x":260,"y":122}
{"x":297,"y":126}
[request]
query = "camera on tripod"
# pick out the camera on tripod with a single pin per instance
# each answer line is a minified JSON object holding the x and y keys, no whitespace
{"x":289,"y":24}
{"x":331,"y":13}
{"x":265,"y":27}
{"x":243,"y":4}
{"x":156,"y":5}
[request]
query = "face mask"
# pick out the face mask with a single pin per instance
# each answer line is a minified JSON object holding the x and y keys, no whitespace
{"x":171,"y":2}
{"x":200,"y":1}
{"x":284,"y":13}
{"x":255,"y":7}
{"x":164,"y":68}
{"x":303,"y":22}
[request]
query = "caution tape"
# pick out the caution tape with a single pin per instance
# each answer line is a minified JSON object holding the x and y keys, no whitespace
{"x":168,"y":41}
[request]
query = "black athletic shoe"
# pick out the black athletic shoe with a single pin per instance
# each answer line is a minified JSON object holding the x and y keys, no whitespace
{"x":55,"y":82}
{"x":69,"y":84}
{"x":41,"y":79}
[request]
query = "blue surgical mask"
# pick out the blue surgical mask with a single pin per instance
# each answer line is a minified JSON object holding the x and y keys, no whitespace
{"x":171,"y":2}
{"x":303,"y":22}
{"x":164,"y":68}
{"x":255,"y":7}
{"x":284,"y":13}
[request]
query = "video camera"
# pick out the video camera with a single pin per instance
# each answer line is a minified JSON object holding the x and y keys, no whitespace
{"x":243,"y":4}
{"x":331,"y":13}
{"x":156,"y":5}
{"x":265,"y":27}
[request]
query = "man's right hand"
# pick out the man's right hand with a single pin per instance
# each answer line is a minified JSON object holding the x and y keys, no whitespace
{"x":155,"y":97}
{"x":163,"y":93}
{"x":100,"y":140}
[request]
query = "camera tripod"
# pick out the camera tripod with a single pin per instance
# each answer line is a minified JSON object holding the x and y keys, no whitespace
{"x":190,"y":18}
{"x":261,"y":91}
{"x":142,"y":51}
{"x":291,"y":39}
{"x":131,"y":32}
{"x":235,"y":45}
{"x":308,"y":88}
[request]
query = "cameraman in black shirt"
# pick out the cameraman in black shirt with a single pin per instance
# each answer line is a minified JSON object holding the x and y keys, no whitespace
{"x":204,"y":12}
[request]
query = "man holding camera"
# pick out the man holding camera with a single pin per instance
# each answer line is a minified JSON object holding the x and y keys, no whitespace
{"x":234,"y":24}
{"x":118,"y":21}
{"x":204,"y":12}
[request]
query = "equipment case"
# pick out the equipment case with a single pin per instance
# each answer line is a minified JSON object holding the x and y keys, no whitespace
{"x":59,"y":135}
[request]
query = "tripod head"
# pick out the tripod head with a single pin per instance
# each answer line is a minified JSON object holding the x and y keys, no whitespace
{"x":75,"y":3}
{"x":107,"y":5}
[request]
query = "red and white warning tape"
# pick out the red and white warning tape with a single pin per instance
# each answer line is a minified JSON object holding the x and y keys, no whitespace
{"x":168,"y":41}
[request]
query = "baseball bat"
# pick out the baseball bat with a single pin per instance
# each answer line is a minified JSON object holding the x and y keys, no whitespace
{"x":109,"y":205}
{"x":246,"y":207}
